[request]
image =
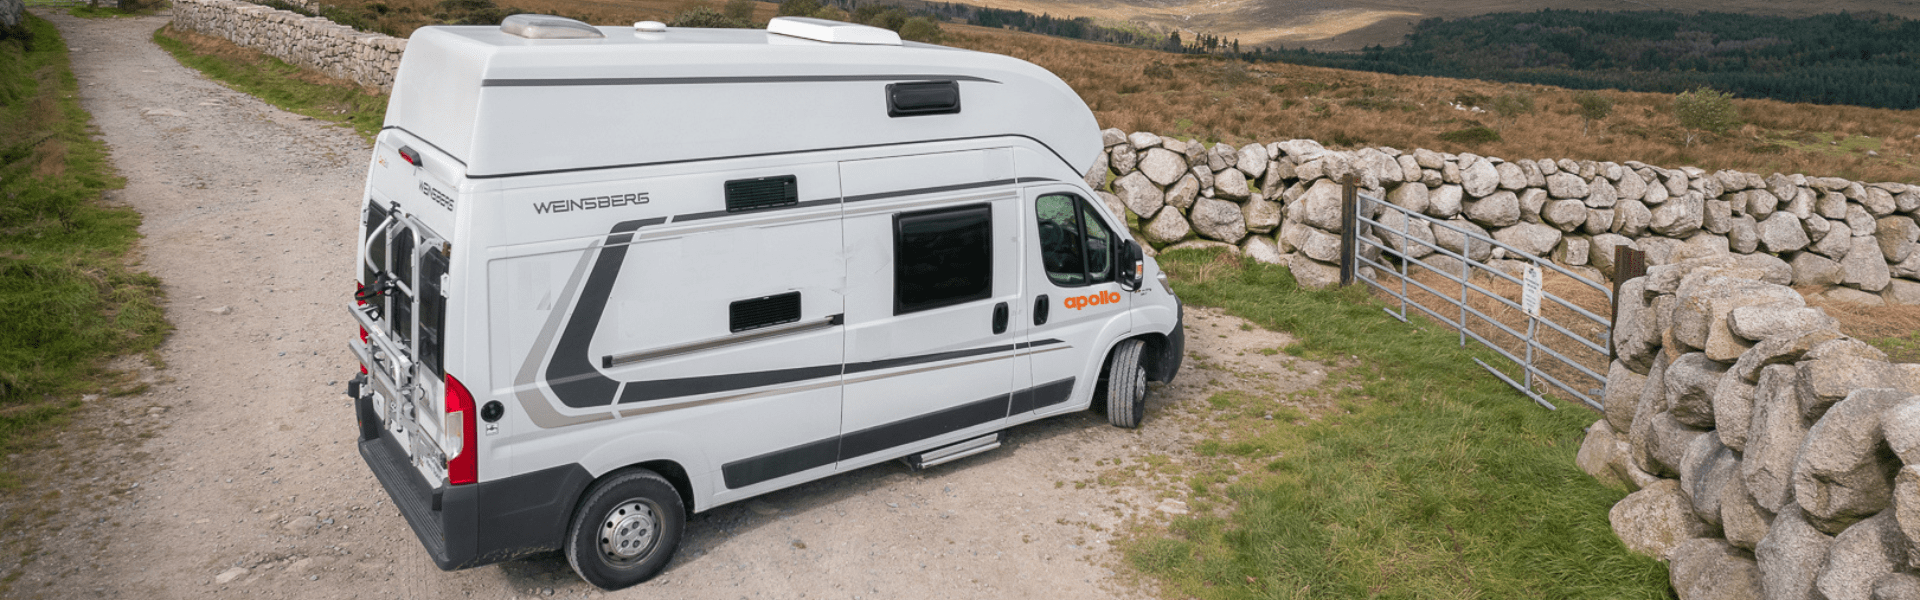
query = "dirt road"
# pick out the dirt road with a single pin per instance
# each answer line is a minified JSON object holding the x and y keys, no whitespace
{"x":235,"y":475}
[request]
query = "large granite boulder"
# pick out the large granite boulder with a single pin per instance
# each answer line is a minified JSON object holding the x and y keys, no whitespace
{"x":1140,"y":194}
{"x":1656,"y":520}
{"x":1710,"y":569}
{"x":1845,"y":470}
{"x":1791,"y":556}
{"x":1773,"y":441}
{"x":1859,"y":556}
{"x":1691,"y":381}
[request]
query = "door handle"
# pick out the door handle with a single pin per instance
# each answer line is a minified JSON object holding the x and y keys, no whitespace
{"x":1040,"y":310}
{"x":1000,"y":318}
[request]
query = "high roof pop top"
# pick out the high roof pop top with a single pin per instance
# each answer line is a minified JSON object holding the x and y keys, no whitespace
{"x":541,"y":94}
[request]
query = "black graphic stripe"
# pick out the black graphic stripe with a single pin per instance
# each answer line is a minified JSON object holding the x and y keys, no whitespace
{"x":900,"y":433}
{"x":663,"y":389}
{"x":1041,"y":396}
{"x":577,"y":381}
{"x":781,"y":463}
{"x":601,"y":81}
{"x":820,"y":453}
{"x":570,"y":372}
{"x":923,"y":359}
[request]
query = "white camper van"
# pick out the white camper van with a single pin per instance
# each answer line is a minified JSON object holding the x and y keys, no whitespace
{"x":610,"y":276}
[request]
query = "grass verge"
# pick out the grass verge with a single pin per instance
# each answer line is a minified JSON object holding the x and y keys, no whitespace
{"x":1433,"y":480}
{"x":291,"y":88}
{"x":68,"y":297}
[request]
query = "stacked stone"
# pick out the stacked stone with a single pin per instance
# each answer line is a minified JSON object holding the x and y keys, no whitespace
{"x":1859,"y":239}
{"x":1772,"y":456}
{"x":10,"y":11}
{"x":369,"y":59}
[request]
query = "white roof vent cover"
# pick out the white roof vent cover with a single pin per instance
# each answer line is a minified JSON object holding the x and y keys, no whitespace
{"x":832,"y":32}
{"x":548,"y":27}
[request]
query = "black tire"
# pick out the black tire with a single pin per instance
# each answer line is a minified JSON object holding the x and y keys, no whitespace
{"x":1126,"y":385}
{"x":639,"y":503}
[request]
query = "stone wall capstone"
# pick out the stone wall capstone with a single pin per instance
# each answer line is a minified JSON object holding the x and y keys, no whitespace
{"x":1771,"y":456}
{"x":368,"y":59}
{"x":1859,"y":241}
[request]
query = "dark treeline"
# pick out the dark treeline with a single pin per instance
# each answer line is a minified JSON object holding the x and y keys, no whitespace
{"x":1860,"y":59}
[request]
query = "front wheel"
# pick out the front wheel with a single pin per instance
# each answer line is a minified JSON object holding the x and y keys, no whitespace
{"x":1126,"y":385}
{"x":626,"y":530}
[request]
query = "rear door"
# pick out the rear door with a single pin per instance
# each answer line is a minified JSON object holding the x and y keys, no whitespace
{"x":1073,"y":302}
{"x":932,"y":274}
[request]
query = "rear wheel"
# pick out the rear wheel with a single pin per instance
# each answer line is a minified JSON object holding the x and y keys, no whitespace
{"x":626,"y":530}
{"x":1126,"y":386}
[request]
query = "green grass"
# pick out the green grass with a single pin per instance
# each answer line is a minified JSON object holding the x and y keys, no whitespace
{"x":278,"y":83}
{"x":1432,"y":479}
{"x":1901,"y":349}
{"x":68,"y":298}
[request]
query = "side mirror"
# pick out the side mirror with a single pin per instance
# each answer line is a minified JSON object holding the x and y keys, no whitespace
{"x":1133,"y":266}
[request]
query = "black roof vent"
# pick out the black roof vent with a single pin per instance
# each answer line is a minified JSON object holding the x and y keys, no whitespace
{"x":922,"y":98}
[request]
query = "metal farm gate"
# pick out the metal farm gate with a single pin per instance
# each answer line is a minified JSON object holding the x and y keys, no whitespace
{"x":1551,"y":322}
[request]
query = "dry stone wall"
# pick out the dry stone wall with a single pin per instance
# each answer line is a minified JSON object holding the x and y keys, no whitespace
{"x":1772,"y":456}
{"x":10,"y":11}
{"x":1280,"y":203}
{"x":369,"y":59}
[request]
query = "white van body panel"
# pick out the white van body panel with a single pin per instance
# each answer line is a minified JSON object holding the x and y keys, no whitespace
{"x":612,"y":299}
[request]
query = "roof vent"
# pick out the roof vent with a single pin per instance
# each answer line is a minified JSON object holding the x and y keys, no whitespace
{"x":832,"y":32}
{"x":548,"y":27}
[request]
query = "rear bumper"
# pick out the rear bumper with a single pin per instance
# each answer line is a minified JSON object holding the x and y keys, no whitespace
{"x":473,"y":525}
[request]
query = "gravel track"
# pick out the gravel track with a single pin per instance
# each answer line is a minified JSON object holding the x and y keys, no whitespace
{"x":235,"y":475}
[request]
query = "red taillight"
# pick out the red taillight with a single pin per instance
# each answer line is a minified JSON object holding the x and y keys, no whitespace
{"x":357,"y":287}
{"x":462,"y":461}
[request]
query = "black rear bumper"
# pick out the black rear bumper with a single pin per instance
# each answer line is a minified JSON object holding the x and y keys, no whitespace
{"x":473,"y":525}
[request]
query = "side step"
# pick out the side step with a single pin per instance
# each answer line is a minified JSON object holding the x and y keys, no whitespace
{"x":947,"y":454}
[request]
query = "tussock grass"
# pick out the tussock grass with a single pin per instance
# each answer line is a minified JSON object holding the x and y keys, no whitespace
{"x":1433,"y":480}
{"x":68,"y":297}
{"x":291,"y":88}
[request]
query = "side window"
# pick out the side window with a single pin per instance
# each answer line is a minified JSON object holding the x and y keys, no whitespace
{"x":942,"y":258}
{"x":1060,"y":249}
{"x":1099,"y":246}
{"x":1076,"y":248}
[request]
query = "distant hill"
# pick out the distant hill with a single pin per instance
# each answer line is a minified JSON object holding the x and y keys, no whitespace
{"x":1863,"y":59}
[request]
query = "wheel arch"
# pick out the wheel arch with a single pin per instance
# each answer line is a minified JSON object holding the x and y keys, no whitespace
{"x":666,"y":469}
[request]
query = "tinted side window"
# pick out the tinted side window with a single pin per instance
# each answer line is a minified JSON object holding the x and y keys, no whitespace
{"x":1061,"y":251}
{"x":1099,"y":246}
{"x":1076,"y":248}
{"x":942,"y":258}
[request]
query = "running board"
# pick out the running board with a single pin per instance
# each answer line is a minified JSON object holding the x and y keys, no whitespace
{"x":947,"y":454}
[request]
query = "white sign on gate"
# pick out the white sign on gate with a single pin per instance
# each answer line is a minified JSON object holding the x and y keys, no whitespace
{"x":1530,"y":290}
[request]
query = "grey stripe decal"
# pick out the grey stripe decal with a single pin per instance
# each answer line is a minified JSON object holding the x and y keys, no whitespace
{"x":700,"y":216}
{"x":1056,"y":154}
{"x":723,"y":80}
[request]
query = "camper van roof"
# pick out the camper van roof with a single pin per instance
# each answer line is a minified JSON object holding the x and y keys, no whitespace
{"x":508,"y":105}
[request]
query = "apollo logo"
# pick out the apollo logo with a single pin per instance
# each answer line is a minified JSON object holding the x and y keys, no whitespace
{"x":1080,"y":302}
